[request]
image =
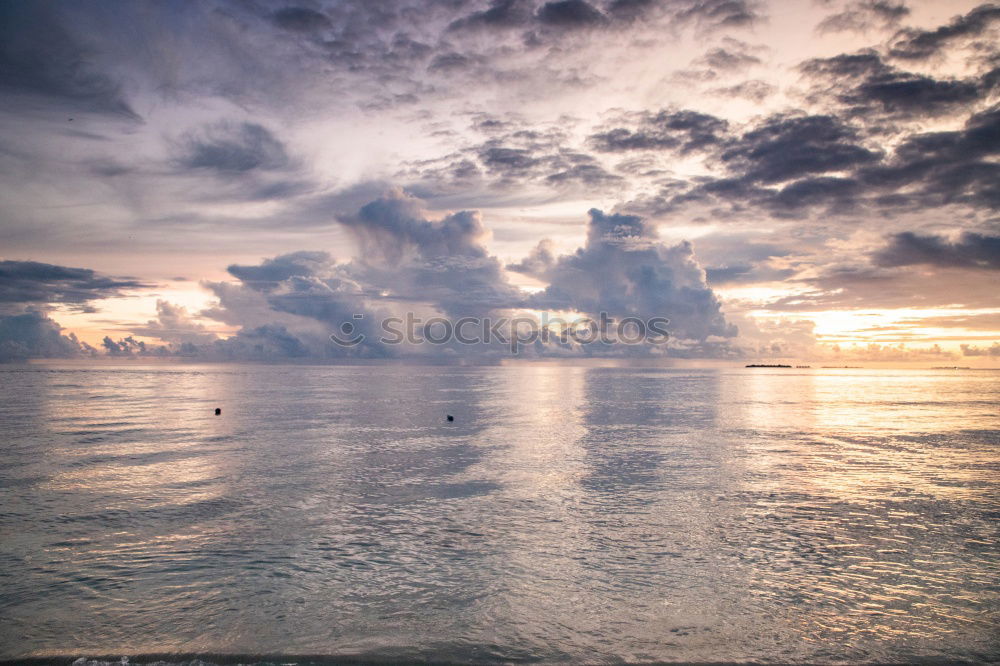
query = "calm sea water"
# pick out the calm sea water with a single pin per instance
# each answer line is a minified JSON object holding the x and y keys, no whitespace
{"x":567,"y":514}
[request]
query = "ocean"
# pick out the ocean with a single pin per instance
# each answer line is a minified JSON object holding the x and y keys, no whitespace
{"x":567,"y":514}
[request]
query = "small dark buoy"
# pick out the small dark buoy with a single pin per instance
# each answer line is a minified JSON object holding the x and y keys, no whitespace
{"x":451,"y":418}
{"x":218,"y":410}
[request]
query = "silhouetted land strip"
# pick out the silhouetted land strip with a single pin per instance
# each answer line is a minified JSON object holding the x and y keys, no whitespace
{"x":767,"y":365}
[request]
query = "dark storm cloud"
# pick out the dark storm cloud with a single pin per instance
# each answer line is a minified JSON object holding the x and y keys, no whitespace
{"x":233,"y":148}
{"x":569,"y":14}
{"x":785,"y":162}
{"x":42,"y":59}
{"x":792,"y":163}
{"x":301,"y":19}
{"x":680,"y":130}
{"x":915,"y":44}
{"x":864,"y":15}
{"x":546,"y":20}
{"x":939,"y":168}
{"x":500,"y":14}
{"x":630,"y":9}
{"x":32,"y":282}
{"x":866,"y":85}
{"x":970,"y":250}
{"x":787,"y":146}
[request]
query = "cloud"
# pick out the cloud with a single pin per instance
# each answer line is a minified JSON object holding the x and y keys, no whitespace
{"x":500,"y":14}
{"x":971,"y":250}
{"x":885,"y":353}
{"x":31,"y":334}
{"x":946,"y":167}
{"x":410,"y":261}
{"x":231,"y":148}
{"x":34,"y":283}
{"x":973,"y":350}
{"x":44,"y":62}
{"x":300,"y":19}
{"x":754,"y":90}
{"x":864,"y":15}
{"x":511,"y":158}
{"x":443,"y":261}
{"x":865,"y":84}
{"x":569,"y":14}
{"x":915,"y":44}
{"x":624,"y":270}
{"x":792,"y":163}
{"x":861,"y":285}
{"x":268,"y":275}
{"x":174,"y":325}
{"x":630,"y":10}
{"x":268,"y":342}
{"x":734,"y":55}
{"x":679,"y":130}
{"x":788,"y":146}
{"x":718,"y":14}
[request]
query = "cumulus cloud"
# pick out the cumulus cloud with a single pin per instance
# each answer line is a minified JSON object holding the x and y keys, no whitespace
{"x":32,"y":334}
{"x":410,"y":261}
{"x":888,"y":353}
{"x":625,"y":271}
{"x":173,"y":324}
{"x":443,"y":261}
{"x":972,"y":350}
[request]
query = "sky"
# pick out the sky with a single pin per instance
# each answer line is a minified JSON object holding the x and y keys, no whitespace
{"x":813,"y":181}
